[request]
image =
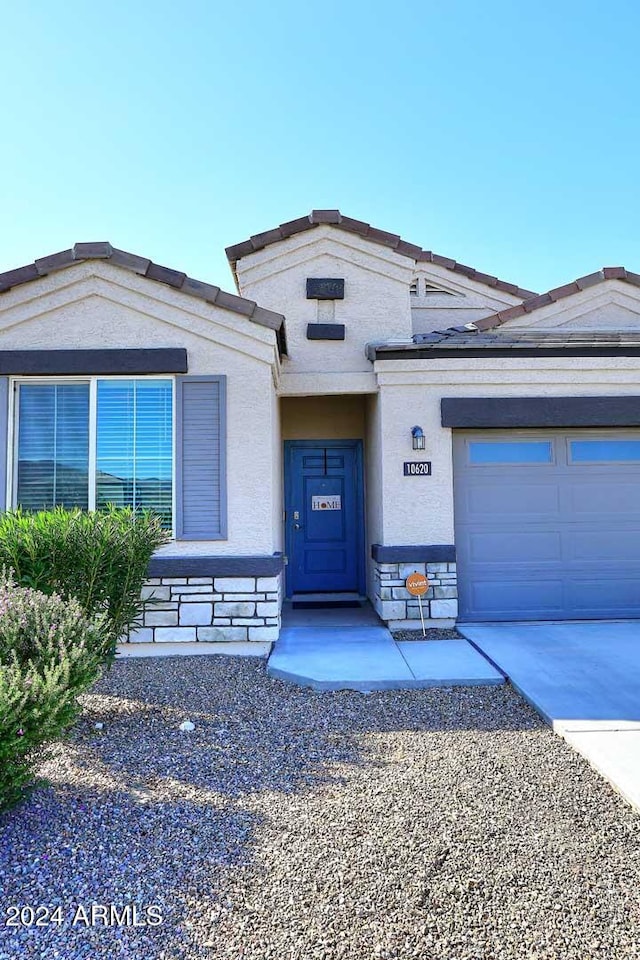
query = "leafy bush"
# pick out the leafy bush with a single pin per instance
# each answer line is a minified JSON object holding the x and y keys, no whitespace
{"x":99,"y":558}
{"x":49,"y":653}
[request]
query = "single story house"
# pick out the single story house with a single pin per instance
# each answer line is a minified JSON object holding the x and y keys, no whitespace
{"x":361,"y":409}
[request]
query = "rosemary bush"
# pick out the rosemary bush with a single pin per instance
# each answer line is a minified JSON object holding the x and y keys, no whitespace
{"x":50,"y":652}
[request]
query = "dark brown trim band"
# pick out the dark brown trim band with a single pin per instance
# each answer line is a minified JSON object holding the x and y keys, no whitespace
{"x":479,"y":412}
{"x":59,"y":363}
{"x":325,"y":288}
{"x":506,"y":352}
{"x":415,"y":553}
{"x":325,"y":331}
{"x":262,"y":566}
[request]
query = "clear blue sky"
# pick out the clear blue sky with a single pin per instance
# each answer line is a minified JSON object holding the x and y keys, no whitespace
{"x":500,"y":133}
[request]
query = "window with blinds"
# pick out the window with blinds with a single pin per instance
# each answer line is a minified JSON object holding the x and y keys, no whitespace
{"x":134,"y":445}
{"x":53,"y":446}
{"x":131,"y":463}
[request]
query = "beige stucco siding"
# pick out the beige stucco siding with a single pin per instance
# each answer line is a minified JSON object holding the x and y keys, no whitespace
{"x":463,"y":300}
{"x":323,"y":418}
{"x":373,"y":463}
{"x":612,"y":305}
{"x":375,"y":306}
{"x":277,"y":474}
{"x":98,"y":306}
{"x":420,"y":509}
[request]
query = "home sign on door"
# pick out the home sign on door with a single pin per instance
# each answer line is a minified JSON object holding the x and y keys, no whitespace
{"x":327,"y":503}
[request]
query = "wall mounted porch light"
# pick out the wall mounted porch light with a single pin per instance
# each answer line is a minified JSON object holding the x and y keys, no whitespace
{"x":417,"y":435}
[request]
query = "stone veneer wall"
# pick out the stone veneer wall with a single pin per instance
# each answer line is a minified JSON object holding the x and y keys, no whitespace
{"x":210,"y":609}
{"x":393,"y":602}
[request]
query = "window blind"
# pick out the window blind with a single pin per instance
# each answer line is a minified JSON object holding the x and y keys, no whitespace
{"x":53,"y":446}
{"x":134,"y":445}
{"x":133,"y":422}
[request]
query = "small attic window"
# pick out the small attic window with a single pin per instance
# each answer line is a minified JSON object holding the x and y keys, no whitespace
{"x":413,"y":289}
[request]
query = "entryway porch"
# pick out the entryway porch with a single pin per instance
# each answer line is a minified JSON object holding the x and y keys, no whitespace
{"x":349,"y":648}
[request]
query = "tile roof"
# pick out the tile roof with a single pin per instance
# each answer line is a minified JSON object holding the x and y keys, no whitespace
{"x":82,"y":252}
{"x":558,"y":293}
{"x":466,"y":342}
{"x":333,"y":217}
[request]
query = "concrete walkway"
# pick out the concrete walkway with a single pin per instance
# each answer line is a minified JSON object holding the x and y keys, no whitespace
{"x":350,"y":649}
{"x":584,"y":679}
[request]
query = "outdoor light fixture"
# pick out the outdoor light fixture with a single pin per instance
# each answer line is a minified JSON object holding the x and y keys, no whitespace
{"x":417,"y":435}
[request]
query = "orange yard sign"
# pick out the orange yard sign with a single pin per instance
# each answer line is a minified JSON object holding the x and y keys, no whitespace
{"x":417,"y":584}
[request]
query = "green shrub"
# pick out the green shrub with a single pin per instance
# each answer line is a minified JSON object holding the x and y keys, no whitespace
{"x":99,"y":558}
{"x":50,"y":652}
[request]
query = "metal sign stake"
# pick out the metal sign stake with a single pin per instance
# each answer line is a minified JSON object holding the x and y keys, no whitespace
{"x":417,"y":585}
{"x":424,"y":632}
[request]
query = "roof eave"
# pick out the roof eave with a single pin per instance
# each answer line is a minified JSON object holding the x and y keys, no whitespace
{"x":512,"y":351}
{"x":392,"y":241}
{"x":142,"y":266}
{"x":537,"y":302}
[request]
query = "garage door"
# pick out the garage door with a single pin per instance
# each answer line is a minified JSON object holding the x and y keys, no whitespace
{"x":547,"y":524}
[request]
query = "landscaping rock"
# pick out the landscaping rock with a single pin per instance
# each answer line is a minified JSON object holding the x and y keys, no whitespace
{"x":431,"y":824}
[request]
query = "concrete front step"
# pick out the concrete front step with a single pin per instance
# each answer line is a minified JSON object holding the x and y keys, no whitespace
{"x":367,"y":658}
{"x":327,"y":598}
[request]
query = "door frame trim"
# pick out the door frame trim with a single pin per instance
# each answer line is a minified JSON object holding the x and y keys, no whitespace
{"x":358,"y":447}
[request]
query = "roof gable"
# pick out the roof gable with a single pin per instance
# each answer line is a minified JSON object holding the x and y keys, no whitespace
{"x":81,"y":252}
{"x":522,"y":310}
{"x":95,"y":305}
{"x":391,"y":240}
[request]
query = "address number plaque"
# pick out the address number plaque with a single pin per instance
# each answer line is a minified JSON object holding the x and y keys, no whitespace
{"x":417,"y":468}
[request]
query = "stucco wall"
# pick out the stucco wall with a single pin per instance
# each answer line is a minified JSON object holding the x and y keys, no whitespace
{"x":463,"y":300}
{"x":420,"y":509}
{"x":96,"y":305}
{"x":323,"y":418}
{"x":611,"y":305}
{"x":277,"y":475}
{"x":375,"y":307}
{"x":373,"y":464}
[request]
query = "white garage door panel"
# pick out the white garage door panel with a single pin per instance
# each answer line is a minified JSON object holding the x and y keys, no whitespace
{"x":547,"y":540}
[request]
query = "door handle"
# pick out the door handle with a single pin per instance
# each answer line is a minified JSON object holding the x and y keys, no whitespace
{"x":297,"y":526}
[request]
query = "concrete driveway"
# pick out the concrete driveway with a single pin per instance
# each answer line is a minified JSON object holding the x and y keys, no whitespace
{"x":584,"y":678}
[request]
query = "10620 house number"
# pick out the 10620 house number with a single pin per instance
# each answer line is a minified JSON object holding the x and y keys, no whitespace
{"x":417,"y":468}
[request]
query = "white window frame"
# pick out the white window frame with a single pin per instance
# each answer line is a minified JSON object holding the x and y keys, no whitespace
{"x":92,"y":380}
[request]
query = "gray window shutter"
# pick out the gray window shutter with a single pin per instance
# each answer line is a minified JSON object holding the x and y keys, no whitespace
{"x":4,"y":439}
{"x":201,"y":495}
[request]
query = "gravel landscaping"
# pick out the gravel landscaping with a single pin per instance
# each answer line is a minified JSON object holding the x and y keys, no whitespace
{"x":430,"y":633}
{"x":294,"y":825}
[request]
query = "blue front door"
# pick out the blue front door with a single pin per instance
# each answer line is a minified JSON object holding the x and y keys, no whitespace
{"x":324,"y":517}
